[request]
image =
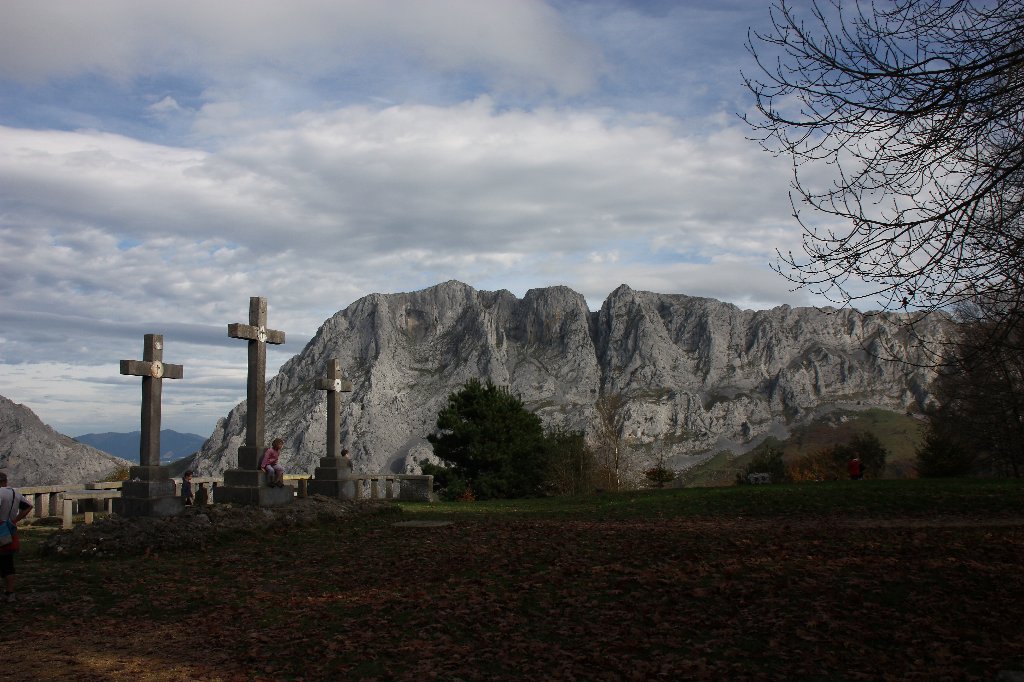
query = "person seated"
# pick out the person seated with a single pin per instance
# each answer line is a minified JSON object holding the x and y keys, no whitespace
{"x":270,"y":464}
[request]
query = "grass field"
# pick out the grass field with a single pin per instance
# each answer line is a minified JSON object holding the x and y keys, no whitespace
{"x":903,"y":580}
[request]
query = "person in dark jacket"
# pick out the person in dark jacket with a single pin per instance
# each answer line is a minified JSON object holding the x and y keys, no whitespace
{"x":13,"y":508}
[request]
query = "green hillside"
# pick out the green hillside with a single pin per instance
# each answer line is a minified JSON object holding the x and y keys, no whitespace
{"x":900,"y":433}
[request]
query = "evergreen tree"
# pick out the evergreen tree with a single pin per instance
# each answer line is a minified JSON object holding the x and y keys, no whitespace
{"x":489,"y":443}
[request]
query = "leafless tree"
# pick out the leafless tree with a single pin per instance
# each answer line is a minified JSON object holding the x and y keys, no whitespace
{"x":609,"y":438}
{"x":905,"y":125}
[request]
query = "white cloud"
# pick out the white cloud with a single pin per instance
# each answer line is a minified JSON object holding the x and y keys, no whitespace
{"x":313,"y":152}
{"x":462,"y":190}
{"x":510,"y":43}
{"x":166,"y":107}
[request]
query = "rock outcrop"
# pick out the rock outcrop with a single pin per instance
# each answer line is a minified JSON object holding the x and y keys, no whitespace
{"x":32,"y":453}
{"x":696,"y":375}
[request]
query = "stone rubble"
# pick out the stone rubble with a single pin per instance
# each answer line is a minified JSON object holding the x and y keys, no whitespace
{"x":197,"y":527}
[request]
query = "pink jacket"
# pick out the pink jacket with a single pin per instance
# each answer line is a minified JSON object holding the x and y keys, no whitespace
{"x":270,"y":456}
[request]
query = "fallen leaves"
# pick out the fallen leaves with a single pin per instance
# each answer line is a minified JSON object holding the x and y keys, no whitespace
{"x":577,"y":599}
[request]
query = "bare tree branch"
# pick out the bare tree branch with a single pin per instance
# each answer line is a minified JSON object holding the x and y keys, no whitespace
{"x":915,"y":109}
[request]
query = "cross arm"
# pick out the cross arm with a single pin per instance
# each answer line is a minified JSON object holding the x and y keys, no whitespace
{"x":338,"y":385}
{"x":157,"y":370}
{"x":239,"y":330}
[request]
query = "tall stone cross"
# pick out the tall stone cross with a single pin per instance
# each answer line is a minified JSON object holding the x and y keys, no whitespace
{"x":259,"y":336}
{"x":334,"y":384}
{"x":153,"y":370}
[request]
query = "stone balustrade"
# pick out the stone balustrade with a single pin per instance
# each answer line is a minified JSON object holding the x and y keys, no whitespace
{"x":95,"y":497}
{"x":45,"y":499}
{"x":87,"y":498}
{"x":406,"y":487}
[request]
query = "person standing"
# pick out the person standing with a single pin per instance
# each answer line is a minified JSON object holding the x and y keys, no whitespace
{"x":855,"y":468}
{"x":13,"y":508}
{"x":269,"y":464}
{"x":187,"y":496}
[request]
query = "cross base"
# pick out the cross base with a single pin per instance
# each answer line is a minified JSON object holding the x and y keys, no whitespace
{"x":249,"y":457}
{"x":152,"y":495}
{"x":258,"y":495}
{"x":148,"y":489}
{"x":148,"y":473}
{"x":339,"y":489}
{"x":148,"y":506}
{"x":245,"y":478}
{"x":248,"y":485}
{"x":331,"y":479}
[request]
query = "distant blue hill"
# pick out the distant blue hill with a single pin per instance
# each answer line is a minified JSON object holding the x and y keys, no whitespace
{"x":173,"y":445}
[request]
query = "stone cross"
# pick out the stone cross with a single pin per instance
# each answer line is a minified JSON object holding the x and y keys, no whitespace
{"x":334,"y":384}
{"x":153,"y":370}
{"x":259,"y":336}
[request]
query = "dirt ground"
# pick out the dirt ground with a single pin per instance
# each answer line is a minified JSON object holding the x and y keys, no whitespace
{"x":644,"y":599}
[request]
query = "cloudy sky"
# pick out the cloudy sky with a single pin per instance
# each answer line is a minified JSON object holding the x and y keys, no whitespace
{"x":162,"y":162}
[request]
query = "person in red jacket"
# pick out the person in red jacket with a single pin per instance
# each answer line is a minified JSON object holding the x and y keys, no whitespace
{"x":269,"y":464}
{"x":855,"y":468}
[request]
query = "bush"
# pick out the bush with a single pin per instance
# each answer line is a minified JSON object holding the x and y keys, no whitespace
{"x":870,"y":450}
{"x":120,"y":473}
{"x":942,"y":455}
{"x":659,"y":474}
{"x":818,"y":466}
{"x":449,"y":485}
{"x":830,"y":464}
{"x":489,"y":444}
{"x":767,"y":461}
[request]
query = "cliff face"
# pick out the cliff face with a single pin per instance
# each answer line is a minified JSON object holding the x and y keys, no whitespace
{"x":696,"y":374}
{"x":32,"y":453}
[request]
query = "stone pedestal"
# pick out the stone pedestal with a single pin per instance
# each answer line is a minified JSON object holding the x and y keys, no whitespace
{"x":416,"y":488}
{"x":150,"y":492}
{"x":332,"y":478}
{"x":247,"y":485}
{"x":249,"y":458}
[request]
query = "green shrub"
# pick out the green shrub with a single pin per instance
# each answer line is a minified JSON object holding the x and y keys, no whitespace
{"x":659,"y":474}
{"x":489,"y":443}
{"x":767,"y":461}
{"x":943,"y":455}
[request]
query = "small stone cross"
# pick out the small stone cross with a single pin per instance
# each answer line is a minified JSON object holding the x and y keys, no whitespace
{"x":334,"y":384}
{"x":259,"y":336}
{"x":153,"y":370}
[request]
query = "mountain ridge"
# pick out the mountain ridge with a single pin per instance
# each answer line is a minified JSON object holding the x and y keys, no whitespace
{"x":696,"y":375}
{"x":173,"y":444}
{"x":32,"y":453}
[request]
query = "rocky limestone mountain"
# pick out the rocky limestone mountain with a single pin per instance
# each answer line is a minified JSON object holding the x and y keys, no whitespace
{"x":32,"y":453}
{"x":696,"y":375}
